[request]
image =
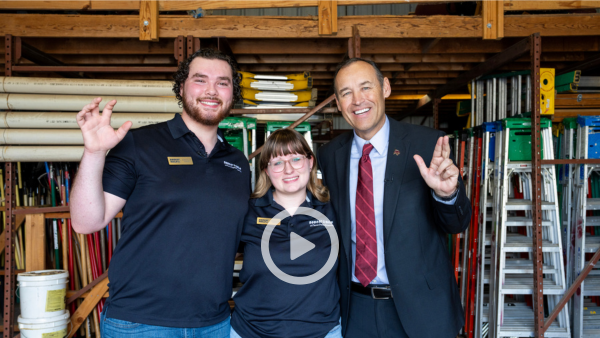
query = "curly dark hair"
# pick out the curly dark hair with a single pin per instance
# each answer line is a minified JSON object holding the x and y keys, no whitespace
{"x":208,"y":53}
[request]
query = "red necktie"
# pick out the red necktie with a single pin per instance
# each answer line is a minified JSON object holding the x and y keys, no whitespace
{"x":366,"y":236}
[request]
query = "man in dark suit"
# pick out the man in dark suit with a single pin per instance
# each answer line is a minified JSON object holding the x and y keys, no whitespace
{"x":394,"y":212}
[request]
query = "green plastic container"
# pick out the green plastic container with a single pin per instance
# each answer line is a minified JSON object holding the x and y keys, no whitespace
{"x":301,"y":128}
{"x":519,"y":134}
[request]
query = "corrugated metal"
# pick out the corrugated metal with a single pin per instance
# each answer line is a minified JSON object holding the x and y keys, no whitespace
{"x":387,"y":9}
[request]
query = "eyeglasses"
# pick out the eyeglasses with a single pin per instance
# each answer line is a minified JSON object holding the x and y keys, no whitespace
{"x":297,"y":162}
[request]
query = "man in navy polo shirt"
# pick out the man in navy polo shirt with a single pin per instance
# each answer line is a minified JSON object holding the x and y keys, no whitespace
{"x":183,"y":191}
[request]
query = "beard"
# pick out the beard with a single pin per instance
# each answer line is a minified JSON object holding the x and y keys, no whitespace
{"x":195,"y":111}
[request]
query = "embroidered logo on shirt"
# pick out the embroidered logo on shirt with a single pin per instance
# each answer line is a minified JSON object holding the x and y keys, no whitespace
{"x":232,"y":166}
{"x":265,"y":221}
{"x":318,"y":223}
{"x":180,"y":161}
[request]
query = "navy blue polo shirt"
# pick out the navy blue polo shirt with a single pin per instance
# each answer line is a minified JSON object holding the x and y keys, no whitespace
{"x":267,"y":307}
{"x":173,"y":265}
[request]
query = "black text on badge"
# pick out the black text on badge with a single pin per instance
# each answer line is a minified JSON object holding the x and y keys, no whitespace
{"x":180,"y":161}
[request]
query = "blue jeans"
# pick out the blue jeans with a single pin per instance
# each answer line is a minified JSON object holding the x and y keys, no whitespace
{"x":336,"y":332}
{"x":116,"y":328}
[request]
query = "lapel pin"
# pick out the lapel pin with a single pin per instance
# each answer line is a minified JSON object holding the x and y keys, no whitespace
{"x":396,"y":152}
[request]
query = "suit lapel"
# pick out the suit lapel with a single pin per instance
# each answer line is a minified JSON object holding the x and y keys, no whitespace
{"x":342,"y":164}
{"x":397,"y":158}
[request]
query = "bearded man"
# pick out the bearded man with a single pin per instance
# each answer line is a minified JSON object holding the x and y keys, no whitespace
{"x":183,"y":191}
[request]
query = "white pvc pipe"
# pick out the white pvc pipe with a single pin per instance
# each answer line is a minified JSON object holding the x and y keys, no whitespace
{"x":41,"y":136}
{"x":61,"y":120}
{"x":40,"y":85}
{"x":41,"y":153}
{"x":77,"y":102}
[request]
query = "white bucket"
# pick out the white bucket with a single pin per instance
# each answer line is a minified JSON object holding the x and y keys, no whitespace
{"x":53,"y":327}
{"x":43,"y":293}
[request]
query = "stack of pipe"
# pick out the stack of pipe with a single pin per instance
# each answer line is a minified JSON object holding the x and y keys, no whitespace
{"x":38,"y":115}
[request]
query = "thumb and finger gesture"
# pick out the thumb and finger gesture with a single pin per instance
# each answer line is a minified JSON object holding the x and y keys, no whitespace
{"x":98,"y":135}
{"x":442,"y":174}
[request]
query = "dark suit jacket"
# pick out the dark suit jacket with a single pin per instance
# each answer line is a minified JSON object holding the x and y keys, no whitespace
{"x":415,"y":226}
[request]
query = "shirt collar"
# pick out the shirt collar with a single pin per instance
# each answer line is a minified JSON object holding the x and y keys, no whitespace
{"x":178,"y":128}
{"x":380,"y":141}
{"x":267,"y":199}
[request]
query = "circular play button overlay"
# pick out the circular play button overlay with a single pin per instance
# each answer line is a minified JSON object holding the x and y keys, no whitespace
{"x":299,"y":246}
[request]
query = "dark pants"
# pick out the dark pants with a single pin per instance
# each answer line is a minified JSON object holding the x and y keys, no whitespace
{"x":373,"y":318}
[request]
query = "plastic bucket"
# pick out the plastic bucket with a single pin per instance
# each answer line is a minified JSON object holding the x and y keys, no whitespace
{"x":43,"y":293}
{"x":52,"y":327}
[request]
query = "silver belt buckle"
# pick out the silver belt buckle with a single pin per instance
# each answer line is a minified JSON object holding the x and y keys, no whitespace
{"x":380,"y":288}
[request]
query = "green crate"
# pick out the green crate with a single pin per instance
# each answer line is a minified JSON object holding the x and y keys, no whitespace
{"x":235,"y":137}
{"x":275,"y":125}
{"x":519,"y":137}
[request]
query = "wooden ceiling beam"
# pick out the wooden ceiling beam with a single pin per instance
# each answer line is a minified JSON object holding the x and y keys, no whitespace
{"x":107,"y":26}
{"x":493,"y":63}
{"x":169,"y":5}
{"x":521,"y":5}
{"x":310,"y":46}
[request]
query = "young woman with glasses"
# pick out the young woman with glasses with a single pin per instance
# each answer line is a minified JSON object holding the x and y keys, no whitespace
{"x":267,"y":306}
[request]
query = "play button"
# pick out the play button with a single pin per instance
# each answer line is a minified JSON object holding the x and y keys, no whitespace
{"x":299,"y":246}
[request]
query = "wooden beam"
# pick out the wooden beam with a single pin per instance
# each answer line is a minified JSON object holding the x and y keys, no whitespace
{"x":111,"y":26}
{"x":552,"y":25}
{"x":354,"y":47}
{"x":418,"y":97}
{"x":585,"y":100}
{"x":106,"y":5}
{"x":35,"y":237}
{"x":493,"y":63}
{"x":149,"y":20}
{"x":419,"y":81}
{"x":167,"y":5}
{"x":328,"y":15}
{"x":170,"y":5}
{"x":490,"y":20}
{"x":428,"y":44}
{"x":589,"y":63}
{"x":88,"y":304}
{"x":521,"y":5}
{"x":102,"y":46}
{"x":403,"y":45}
{"x":45,"y":5}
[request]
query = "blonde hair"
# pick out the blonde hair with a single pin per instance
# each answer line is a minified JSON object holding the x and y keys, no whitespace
{"x":281,"y":143}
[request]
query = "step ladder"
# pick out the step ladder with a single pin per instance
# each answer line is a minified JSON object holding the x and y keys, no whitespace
{"x":586,"y":323}
{"x":568,"y":138}
{"x":485,"y":224}
{"x":473,"y":242}
{"x":511,"y":263}
{"x":463,"y":246}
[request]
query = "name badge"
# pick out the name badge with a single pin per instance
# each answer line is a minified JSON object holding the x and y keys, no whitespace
{"x":265,"y":221}
{"x":180,"y":161}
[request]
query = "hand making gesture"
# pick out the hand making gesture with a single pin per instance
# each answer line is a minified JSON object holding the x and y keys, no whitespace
{"x":98,"y":135}
{"x":442,"y":174}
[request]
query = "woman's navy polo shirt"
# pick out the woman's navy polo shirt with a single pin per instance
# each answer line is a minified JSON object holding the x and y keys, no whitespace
{"x":268,"y":307}
{"x":173,"y":265}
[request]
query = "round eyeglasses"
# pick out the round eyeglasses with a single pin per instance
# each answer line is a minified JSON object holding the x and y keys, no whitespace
{"x":297,"y":162}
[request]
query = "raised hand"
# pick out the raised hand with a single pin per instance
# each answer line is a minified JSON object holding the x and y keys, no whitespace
{"x":442,"y":174}
{"x":98,"y":135}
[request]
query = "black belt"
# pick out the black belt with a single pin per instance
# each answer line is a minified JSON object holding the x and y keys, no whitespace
{"x":375,"y":291}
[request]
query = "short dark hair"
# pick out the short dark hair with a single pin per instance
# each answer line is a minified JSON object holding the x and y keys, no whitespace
{"x":350,"y":61}
{"x":183,"y":71}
